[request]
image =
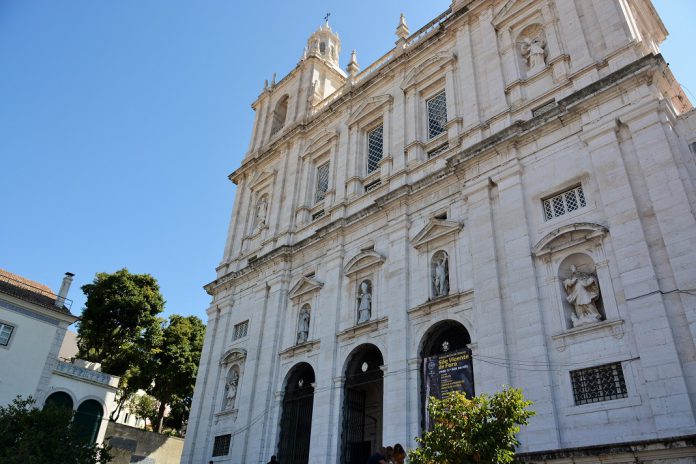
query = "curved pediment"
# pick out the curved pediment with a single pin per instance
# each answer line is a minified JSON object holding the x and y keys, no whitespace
{"x":303,"y":286}
{"x":363,"y":260}
{"x":233,"y":355}
{"x":435,"y":229}
{"x":426,"y":68}
{"x":567,"y":236}
{"x":261,"y":179}
{"x":367,"y":106}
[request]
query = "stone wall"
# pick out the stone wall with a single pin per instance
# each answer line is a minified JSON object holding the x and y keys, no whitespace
{"x":130,"y":444}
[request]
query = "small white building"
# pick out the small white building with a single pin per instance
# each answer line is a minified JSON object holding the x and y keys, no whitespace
{"x":33,"y":324}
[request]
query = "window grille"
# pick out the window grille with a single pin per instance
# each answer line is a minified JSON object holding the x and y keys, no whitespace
{"x":375,"y":148}
{"x":221,"y":447}
{"x":372,"y":185}
{"x":438,"y":150}
{"x":318,"y":215}
{"x":437,"y":114}
{"x":322,"y":182}
{"x":240,"y":330}
{"x":564,"y":203}
{"x":600,"y":383}
{"x":5,"y":334}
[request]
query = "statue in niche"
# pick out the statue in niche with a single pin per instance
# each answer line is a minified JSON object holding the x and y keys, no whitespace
{"x":364,"y":302}
{"x":261,"y":212}
{"x":583,"y":291}
{"x":440,"y":277}
{"x":303,"y":326}
{"x":534,"y":52}
{"x":231,"y":386}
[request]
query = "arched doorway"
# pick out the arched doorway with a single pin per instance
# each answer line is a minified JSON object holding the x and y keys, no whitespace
{"x":296,"y":419}
{"x":362,"y":405}
{"x":445,"y":344}
{"x":88,"y":419}
{"x":59,"y":399}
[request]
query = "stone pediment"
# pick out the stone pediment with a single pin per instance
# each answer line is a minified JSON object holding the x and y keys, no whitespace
{"x":303,"y":286}
{"x":232,"y":355}
{"x":511,"y":9}
{"x":261,"y":179}
{"x":567,"y":236}
{"x":363,"y":260}
{"x":435,"y":229}
{"x":319,"y":142}
{"x":367,"y":106}
{"x":426,"y":68}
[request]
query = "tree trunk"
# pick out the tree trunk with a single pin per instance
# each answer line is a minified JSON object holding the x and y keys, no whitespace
{"x":160,"y":416}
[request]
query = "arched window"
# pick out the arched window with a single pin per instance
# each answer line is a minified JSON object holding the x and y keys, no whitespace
{"x":59,"y":399}
{"x":279,"y":114}
{"x":88,"y":419}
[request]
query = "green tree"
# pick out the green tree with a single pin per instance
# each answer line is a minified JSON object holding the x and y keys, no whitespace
{"x":29,"y":435}
{"x":119,"y":325}
{"x":144,"y":407}
{"x":472,"y":431}
{"x":177,"y":363}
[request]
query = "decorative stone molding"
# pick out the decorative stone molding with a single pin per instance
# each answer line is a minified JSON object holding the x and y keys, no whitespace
{"x":228,"y":413}
{"x":301,"y":348}
{"x":589,"y":332}
{"x":319,"y":142}
{"x":435,"y":229}
{"x":362,"y":261}
{"x":304,"y":286}
{"x":261,"y":179}
{"x":233,"y":355}
{"x":426,"y":69}
{"x":368,"y":106}
{"x":442,"y":303}
{"x":83,"y":374}
{"x":374,"y":325}
{"x":568,"y":236}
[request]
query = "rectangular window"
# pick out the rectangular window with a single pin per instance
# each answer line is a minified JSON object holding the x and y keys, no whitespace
{"x":318,"y":215}
{"x":564,"y":203}
{"x":221,"y":447}
{"x":240,"y":330}
{"x":322,"y":182}
{"x":600,"y":383}
{"x":5,"y":334}
{"x":437,"y":114}
{"x":375,"y":148}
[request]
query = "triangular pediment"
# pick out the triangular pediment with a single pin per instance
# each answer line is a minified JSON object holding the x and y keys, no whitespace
{"x":368,"y":106}
{"x":435,"y":229}
{"x":303,"y":286}
{"x":363,"y":260}
{"x":426,"y":68}
{"x":512,"y":9}
{"x":261,"y":179}
{"x":320,"y":141}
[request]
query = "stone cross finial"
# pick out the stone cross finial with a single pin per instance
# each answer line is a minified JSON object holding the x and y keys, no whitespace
{"x":402,"y":29}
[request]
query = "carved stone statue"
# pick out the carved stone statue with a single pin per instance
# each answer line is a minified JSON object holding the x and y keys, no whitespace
{"x":364,"y":302}
{"x":303,"y":326}
{"x":583,"y":291}
{"x":534,"y":52}
{"x":441,"y":277}
{"x":261,"y":212}
{"x":231,"y":384}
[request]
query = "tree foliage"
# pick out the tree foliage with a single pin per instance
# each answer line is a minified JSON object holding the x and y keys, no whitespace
{"x":29,"y":435}
{"x":144,"y":407}
{"x":472,"y":431}
{"x":177,"y":362}
{"x":119,"y":326}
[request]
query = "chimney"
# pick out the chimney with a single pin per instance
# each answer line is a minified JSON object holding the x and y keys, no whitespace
{"x":64,"y":288}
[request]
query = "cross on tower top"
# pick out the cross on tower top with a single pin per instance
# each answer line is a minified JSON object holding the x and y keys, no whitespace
{"x":326,"y":18}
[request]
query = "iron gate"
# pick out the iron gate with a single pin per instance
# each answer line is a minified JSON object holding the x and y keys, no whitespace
{"x":354,"y":448}
{"x":295,"y":429}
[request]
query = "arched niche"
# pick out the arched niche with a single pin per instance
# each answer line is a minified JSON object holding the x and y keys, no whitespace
{"x":279,"y":114}
{"x":296,"y":417}
{"x":439,"y":274}
{"x":583,"y":303}
{"x":532,"y":49}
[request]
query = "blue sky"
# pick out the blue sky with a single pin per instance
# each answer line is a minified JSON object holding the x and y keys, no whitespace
{"x":120,"y":120}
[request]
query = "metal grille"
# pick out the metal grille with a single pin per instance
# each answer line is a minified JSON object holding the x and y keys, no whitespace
{"x":564,"y":202}
{"x":296,"y":428}
{"x":322,"y":182}
{"x":372,"y":185}
{"x":318,"y":215}
{"x":5,"y":334}
{"x":221,"y":447}
{"x":240,"y":330}
{"x":375,"y":148}
{"x":354,"y":449}
{"x":437,"y":114}
{"x":438,"y":150}
{"x":600,"y":383}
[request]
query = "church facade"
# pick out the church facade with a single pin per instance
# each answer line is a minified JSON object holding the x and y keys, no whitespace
{"x":510,"y":188}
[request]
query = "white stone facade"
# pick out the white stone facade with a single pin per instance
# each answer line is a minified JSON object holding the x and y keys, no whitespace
{"x":542,"y":98}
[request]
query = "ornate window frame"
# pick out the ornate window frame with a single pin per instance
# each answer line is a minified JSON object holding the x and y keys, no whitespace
{"x":319,"y":150}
